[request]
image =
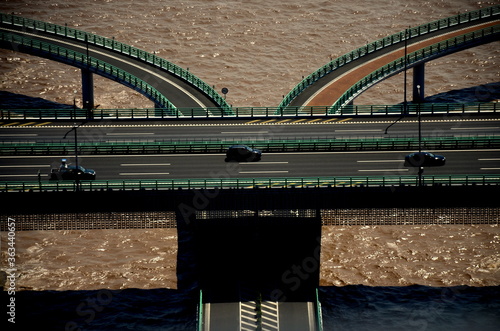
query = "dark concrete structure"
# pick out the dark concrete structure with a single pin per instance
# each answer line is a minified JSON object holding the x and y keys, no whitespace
{"x":256,"y":269}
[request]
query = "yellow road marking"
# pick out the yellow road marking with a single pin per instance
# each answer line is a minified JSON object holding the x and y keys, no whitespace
{"x":301,"y":120}
{"x":44,"y":123}
{"x":330,"y":120}
{"x":315,"y":120}
{"x":29,"y":123}
{"x":253,"y":121}
{"x":345,"y":119}
{"x":9,"y":124}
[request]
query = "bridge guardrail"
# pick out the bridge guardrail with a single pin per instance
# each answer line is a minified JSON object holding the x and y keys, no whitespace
{"x":250,"y":112}
{"x":276,"y":146}
{"x":116,"y":46}
{"x":200,"y":317}
{"x":89,"y":62}
{"x":283,"y":109}
{"x":249,"y":183}
{"x":386,"y":42}
{"x":319,"y":313}
{"x":411,"y":59}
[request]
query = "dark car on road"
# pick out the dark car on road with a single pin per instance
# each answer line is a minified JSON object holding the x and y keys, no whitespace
{"x":71,"y":172}
{"x":243,"y":153}
{"x":424,"y":159}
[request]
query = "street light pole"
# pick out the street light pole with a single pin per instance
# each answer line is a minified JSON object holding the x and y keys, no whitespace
{"x":74,"y":128}
{"x":87,"y":49}
{"x":420,"y":169}
{"x":76,"y":146}
{"x":405,"y":100}
{"x":419,"y":127}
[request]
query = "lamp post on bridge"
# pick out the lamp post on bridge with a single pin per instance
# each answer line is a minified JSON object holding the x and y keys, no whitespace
{"x":421,"y":168}
{"x":405,"y":100}
{"x":405,"y":109}
{"x":74,"y":128}
{"x":87,"y":82}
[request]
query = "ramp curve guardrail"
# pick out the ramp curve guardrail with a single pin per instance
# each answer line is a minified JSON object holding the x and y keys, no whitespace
{"x":386,"y":42}
{"x":423,"y":55}
{"x":66,"y":32}
{"x":84,"y":61}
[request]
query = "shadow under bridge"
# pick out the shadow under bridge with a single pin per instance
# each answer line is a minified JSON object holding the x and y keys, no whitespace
{"x":256,"y":270}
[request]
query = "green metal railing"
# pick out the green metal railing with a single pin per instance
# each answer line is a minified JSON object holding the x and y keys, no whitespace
{"x":423,"y":108}
{"x":200,"y":312}
{"x":85,"y":61}
{"x":273,"y":145}
{"x":319,"y":314}
{"x":225,"y":110}
{"x":383,"y":43}
{"x":400,"y":64}
{"x":248,"y":183}
{"x":112,"y":44}
{"x":249,"y":112}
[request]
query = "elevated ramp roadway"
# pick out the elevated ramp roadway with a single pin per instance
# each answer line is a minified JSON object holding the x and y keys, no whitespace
{"x":338,"y":83}
{"x":177,"y":88}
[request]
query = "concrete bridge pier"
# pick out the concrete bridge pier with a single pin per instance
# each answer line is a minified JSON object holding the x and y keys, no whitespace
{"x":87,"y":89}
{"x":419,"y":83}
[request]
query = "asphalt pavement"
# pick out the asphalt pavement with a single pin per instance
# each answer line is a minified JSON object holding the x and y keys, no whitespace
{"x":310,"y":164}
{"x":266,"y":129}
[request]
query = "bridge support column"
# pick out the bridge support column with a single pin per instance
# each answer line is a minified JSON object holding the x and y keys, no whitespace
{"x":419,"y":83}
{"x":87,"y":89}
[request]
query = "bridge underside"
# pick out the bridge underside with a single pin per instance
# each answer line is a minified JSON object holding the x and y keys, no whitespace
{"x":190,"y":201}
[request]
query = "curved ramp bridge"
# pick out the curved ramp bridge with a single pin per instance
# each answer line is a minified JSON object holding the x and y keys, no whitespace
{"x":256,"y":270}
{"x":338,"y":83}
{"x":166,"y":84}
